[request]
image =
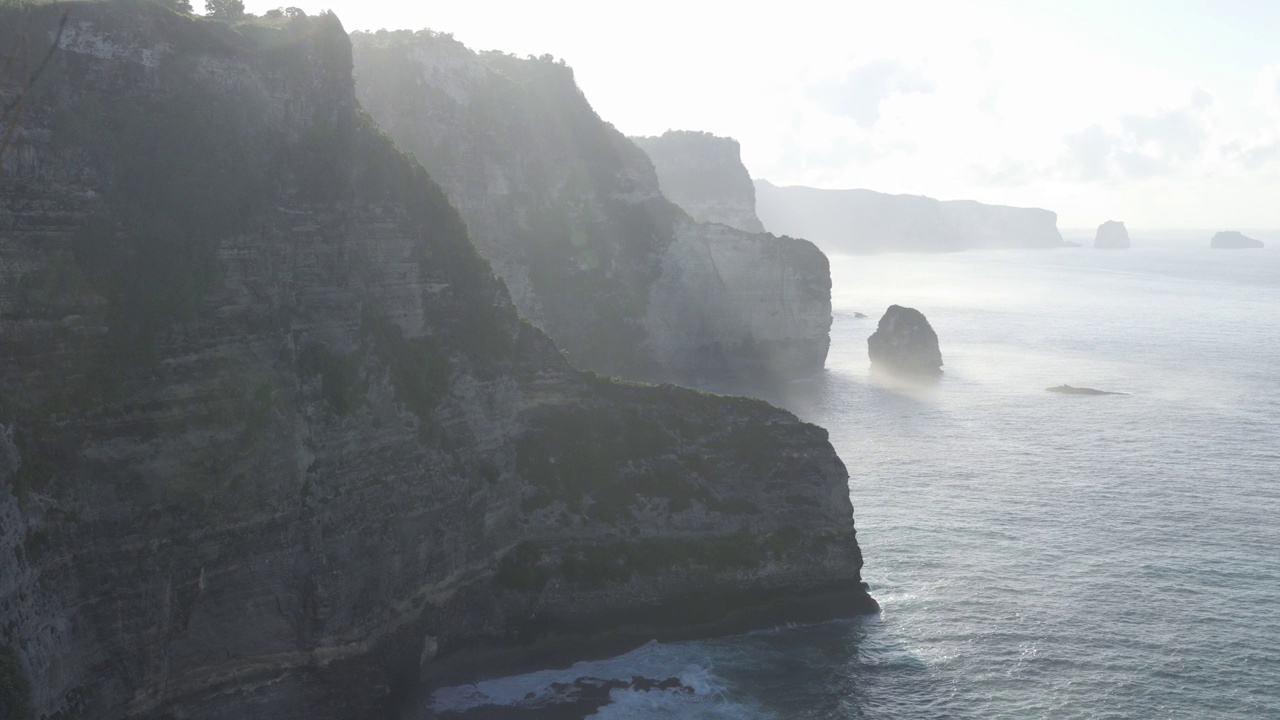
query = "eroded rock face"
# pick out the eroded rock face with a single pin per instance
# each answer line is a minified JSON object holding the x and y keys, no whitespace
{"x":1234,"y":240}
{"x":729,"y":302}
{"x":905,"y":344}
{"x":1112,"y":235}
{"x":571,"y":214}
{"x":274,"y":442}
{"x":865,"y":221}
{"x":704,"y":175}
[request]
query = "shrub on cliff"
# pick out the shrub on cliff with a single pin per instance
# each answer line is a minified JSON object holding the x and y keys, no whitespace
{"x":224,"y":9}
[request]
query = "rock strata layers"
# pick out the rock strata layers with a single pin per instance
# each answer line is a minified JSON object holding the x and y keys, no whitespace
{"x":274,"y":441}
{"x":905,"y":344}
{"x":1111,"y":235}
{"x":704,"y":175}
{"x":571,"y":214}
{"x":1234,"y":240}
{"x":865,"y":221}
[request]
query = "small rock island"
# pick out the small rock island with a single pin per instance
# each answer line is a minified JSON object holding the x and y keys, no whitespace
{"x":905,"y":344}
{"x":1071,"y":390}
{"x":1234,"y":240}
{"x":1112,"y":235}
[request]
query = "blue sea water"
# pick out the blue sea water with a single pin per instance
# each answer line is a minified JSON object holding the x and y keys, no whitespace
{"x":1036,"y":555}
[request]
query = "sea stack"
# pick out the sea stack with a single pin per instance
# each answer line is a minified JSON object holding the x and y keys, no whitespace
{"x":1111,"y":236}
{"x":1233,"y":240}
{"x":1072,"y":390}
{"x":905,"y":344}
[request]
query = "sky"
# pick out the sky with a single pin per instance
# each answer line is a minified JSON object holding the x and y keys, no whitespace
{"x":1160,"y":114}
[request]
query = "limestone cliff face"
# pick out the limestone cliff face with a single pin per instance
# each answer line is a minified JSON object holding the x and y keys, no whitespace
{"x":864,"y":221}
{"x":571,"y":214}
{"x":704,"y":175}
{"x":274,"y":442}
{"x":729,"y":301}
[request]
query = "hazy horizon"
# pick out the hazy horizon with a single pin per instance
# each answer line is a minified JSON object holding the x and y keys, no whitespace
{"x":1158,"y":114}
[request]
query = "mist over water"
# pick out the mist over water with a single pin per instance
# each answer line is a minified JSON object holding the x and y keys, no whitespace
{"x":1036,"y":555}
{"x":1067,"y":556}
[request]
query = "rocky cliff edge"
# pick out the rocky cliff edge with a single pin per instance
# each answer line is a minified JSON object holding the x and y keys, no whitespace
{"x":274,"y":441}
{"x":572,"y":216}
{"x":704,"y":175}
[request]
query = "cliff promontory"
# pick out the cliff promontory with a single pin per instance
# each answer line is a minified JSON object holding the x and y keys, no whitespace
{"x":274,"y":441}
{"x":1234,"y":240}
{"x":704,"y":175}
{"x":865,"y":221}
{"x":571,"y":215}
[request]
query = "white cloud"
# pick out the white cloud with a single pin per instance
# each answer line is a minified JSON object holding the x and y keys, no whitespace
{"x":1266,"y":95}
{"x":1089,"y":153}
{"x":860,"y":92}
{"x":1139,"y":146}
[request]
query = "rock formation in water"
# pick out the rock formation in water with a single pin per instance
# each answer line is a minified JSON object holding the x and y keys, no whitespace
{"x":1234,"y":240}
{"x":1112,"y":235}
{"x":274,"y":442}
{"x":905,"y":344}
{"x":570,"y":213}
{"x":581,"y":698}
{"x":704,"y":175}
{"x":1070,"y":390}
{"x":865,"y":221}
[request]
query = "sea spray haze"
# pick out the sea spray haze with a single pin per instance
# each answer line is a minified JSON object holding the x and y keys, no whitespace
{"x":1042,"y":555}
{"x":1036,"y":555}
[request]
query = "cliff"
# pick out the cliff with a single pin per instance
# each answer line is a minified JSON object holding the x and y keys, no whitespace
{"x":1111,"y":235}
{"x":704,"y":175}
{"x":864,"y":221}
{"x":572,"y":217}
{"x":1234,"y":240}
{"x":274,"y":442}
{"x":1000,"y":226}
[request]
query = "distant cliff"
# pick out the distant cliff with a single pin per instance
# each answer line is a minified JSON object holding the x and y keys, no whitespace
{"x":274,"y":442}
{"x":704,"y":175}
{"x":570,"y":213}
{"x":864,"y":221}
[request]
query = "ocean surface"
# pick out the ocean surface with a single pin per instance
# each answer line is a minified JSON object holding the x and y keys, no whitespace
{"x":1036,"y":555}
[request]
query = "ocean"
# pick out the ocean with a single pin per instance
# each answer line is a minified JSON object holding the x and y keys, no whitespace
{"x":1036,"y":555}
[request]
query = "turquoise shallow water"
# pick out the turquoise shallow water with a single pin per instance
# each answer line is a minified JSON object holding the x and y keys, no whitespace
{"x":1036,"y":555}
